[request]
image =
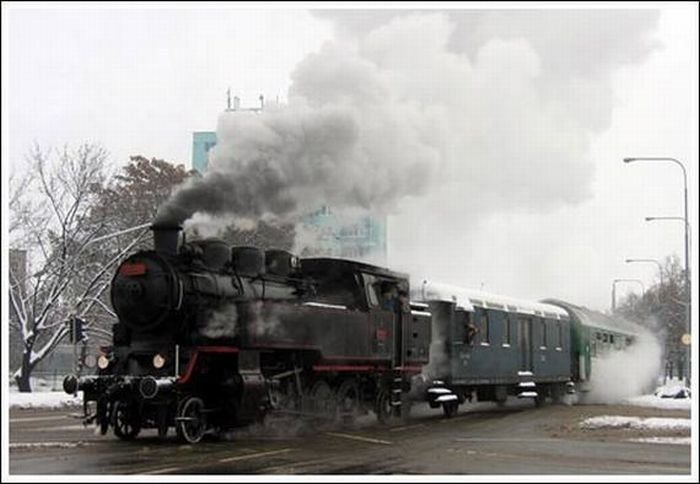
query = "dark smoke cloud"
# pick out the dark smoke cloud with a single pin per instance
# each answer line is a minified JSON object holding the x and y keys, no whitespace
{"x":296,"y":158}
{"x":482,"y":110}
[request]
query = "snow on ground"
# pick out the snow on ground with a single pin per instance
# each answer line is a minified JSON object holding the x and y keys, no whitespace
{"x":663,"y":440}
{"x":653,"y":423}
{"x":39,"y":384}
{"x":673,"y":395}
{"x":673,"y":390}
{"x":658,"y":402}
{"x":44,"y":400}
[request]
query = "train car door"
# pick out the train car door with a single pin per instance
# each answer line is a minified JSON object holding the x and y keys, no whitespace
{"x":525,"y":343}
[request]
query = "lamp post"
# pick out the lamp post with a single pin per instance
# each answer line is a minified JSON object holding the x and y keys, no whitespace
{"x":687,"y":266}
{"x":661,"y":270}
{"x":624,"y":280}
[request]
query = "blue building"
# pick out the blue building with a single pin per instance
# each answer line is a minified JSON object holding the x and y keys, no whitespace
{"x":202,"y":142}
{"x":360,"y":237}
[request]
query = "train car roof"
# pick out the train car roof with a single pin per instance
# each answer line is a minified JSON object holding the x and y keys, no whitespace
{"x":316,"y":264}
{"x":469,"y":298}
{"x":592,"y":318}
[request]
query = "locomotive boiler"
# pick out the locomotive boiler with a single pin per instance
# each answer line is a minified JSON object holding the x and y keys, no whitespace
{"x":211,"y":337}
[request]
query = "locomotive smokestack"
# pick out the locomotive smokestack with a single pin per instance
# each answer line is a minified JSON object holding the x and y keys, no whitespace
{"x":165,"y":237}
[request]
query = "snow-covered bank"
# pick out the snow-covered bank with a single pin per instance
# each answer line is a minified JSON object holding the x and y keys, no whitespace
{"x":653,"y":423}
{"x":663,"y":440}
{"x":658,"y":402}
{"x":44,"y":400}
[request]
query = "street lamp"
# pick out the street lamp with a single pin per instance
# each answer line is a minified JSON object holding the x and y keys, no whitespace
{"x":649,"y":219}
{"x":661,"y":270}
{"x":624,"y":280}
{"x":687,"y":266}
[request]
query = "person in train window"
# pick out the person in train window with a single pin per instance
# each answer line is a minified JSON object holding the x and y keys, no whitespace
{"x":389,"y":297}
{"x":471,"y":331}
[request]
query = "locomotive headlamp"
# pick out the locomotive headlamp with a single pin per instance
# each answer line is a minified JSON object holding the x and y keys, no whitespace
{"x":90,"y":361}
{"x":158,"y":361}
{"x":102,"y":362}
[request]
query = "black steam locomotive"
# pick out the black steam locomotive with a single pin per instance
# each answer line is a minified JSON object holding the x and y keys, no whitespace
{"x":212,"y":337}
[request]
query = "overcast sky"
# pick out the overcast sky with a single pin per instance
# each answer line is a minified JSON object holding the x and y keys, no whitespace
{"x":582,"y":86}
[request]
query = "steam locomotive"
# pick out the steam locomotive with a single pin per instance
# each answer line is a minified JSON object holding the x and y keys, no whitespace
{"x":212,"y":337}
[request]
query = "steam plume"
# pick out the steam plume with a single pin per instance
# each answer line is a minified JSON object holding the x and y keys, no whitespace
{"x":628,"y":373}
{"x":494,"y":108}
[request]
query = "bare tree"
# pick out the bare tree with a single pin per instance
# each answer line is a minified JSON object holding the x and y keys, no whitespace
{"x":129,"y":200}
{"x":50,"y":221}
{"x":662,"y":309}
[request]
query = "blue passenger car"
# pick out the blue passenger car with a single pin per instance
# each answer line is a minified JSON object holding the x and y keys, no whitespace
{"x":492,"y":346}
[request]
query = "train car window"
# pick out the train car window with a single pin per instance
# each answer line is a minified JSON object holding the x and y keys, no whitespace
{"x":560,"y":335}
{"x":470,"y":330}
{"x":506,"y":329}
{"x":543,"y":327}
{"x":484,"y":327}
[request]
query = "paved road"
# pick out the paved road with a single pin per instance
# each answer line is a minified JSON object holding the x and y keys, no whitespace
{"x":482,"y":439}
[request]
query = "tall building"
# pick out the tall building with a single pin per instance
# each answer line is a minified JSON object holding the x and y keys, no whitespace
{"x":325,"y":232}
{"x":202,"y":142}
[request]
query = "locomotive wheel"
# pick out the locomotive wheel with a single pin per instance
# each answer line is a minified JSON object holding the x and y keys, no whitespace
{"x":348,"y":400}
{"x":323,"y":399}
{"x":285,"y":398}
{"x":385,"y":411}
{"x":125,"y":421}
{"x":192,"y":422}
{"x":450,"y":409}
